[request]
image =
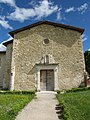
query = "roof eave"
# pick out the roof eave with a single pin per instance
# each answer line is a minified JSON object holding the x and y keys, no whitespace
{"x":8,"y":42}
{"x":81,"y":30}
{"x":2,"y":51}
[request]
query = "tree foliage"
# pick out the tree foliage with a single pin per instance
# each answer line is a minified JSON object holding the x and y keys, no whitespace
{"x":87,"y":61}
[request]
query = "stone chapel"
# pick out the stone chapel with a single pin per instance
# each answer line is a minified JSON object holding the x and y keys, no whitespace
{"x":44,"y":56}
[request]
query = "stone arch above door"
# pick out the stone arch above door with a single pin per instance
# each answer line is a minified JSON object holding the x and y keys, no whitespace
{"x":47,"y":59}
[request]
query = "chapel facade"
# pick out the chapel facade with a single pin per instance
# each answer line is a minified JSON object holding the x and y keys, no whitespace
{"x":44,"y":56}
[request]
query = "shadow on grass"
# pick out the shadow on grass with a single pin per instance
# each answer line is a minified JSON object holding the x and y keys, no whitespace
{"x":59,"y":111}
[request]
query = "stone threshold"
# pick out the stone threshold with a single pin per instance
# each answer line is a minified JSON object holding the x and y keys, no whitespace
{"x":46,"y":92}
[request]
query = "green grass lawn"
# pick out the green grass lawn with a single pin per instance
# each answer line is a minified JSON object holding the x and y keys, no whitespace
{"x":76,"y":105}
{"x":11,"y":104}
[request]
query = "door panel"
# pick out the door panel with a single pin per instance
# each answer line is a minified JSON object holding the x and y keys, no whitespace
{"x":43,"y":80}
{"x":47,"y":80}
{"x":50,"y":80}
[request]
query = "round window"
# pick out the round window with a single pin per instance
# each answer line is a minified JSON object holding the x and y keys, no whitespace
{"x":46,"y":41}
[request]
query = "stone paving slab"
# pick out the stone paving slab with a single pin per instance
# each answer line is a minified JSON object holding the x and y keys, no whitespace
{"x":41,"y":108}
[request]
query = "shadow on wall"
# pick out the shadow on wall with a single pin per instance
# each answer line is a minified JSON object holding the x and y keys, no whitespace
{"x":32,"y":71}
{"x":60,"y":36}
{"x":82,"y":84}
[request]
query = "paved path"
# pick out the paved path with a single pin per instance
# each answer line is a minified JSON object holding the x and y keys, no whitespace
{"x":44,"y":107}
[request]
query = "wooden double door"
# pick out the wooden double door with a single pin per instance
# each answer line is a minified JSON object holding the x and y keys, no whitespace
{"x":47,"y":80}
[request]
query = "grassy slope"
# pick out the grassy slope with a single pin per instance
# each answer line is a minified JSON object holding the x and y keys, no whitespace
{"x":10,"y":104}
{"x":77,"y":104}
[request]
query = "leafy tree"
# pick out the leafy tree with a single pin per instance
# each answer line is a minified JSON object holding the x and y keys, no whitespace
{"x":87,"y":61}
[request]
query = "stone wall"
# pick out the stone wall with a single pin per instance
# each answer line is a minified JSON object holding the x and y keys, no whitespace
{"x":2,"y":67}
{"x":6,"y":83}
{"x":64,"y":45}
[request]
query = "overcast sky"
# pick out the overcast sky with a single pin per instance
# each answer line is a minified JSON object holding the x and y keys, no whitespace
{"x":15,"y":14}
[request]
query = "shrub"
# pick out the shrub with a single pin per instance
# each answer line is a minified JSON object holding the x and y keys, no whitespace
{"x":17,"y":92}
{"x":73,"y":90}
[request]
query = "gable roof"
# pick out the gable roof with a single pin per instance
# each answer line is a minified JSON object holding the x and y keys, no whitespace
{"x":81,"y":30}
{"x":49,"y":23}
